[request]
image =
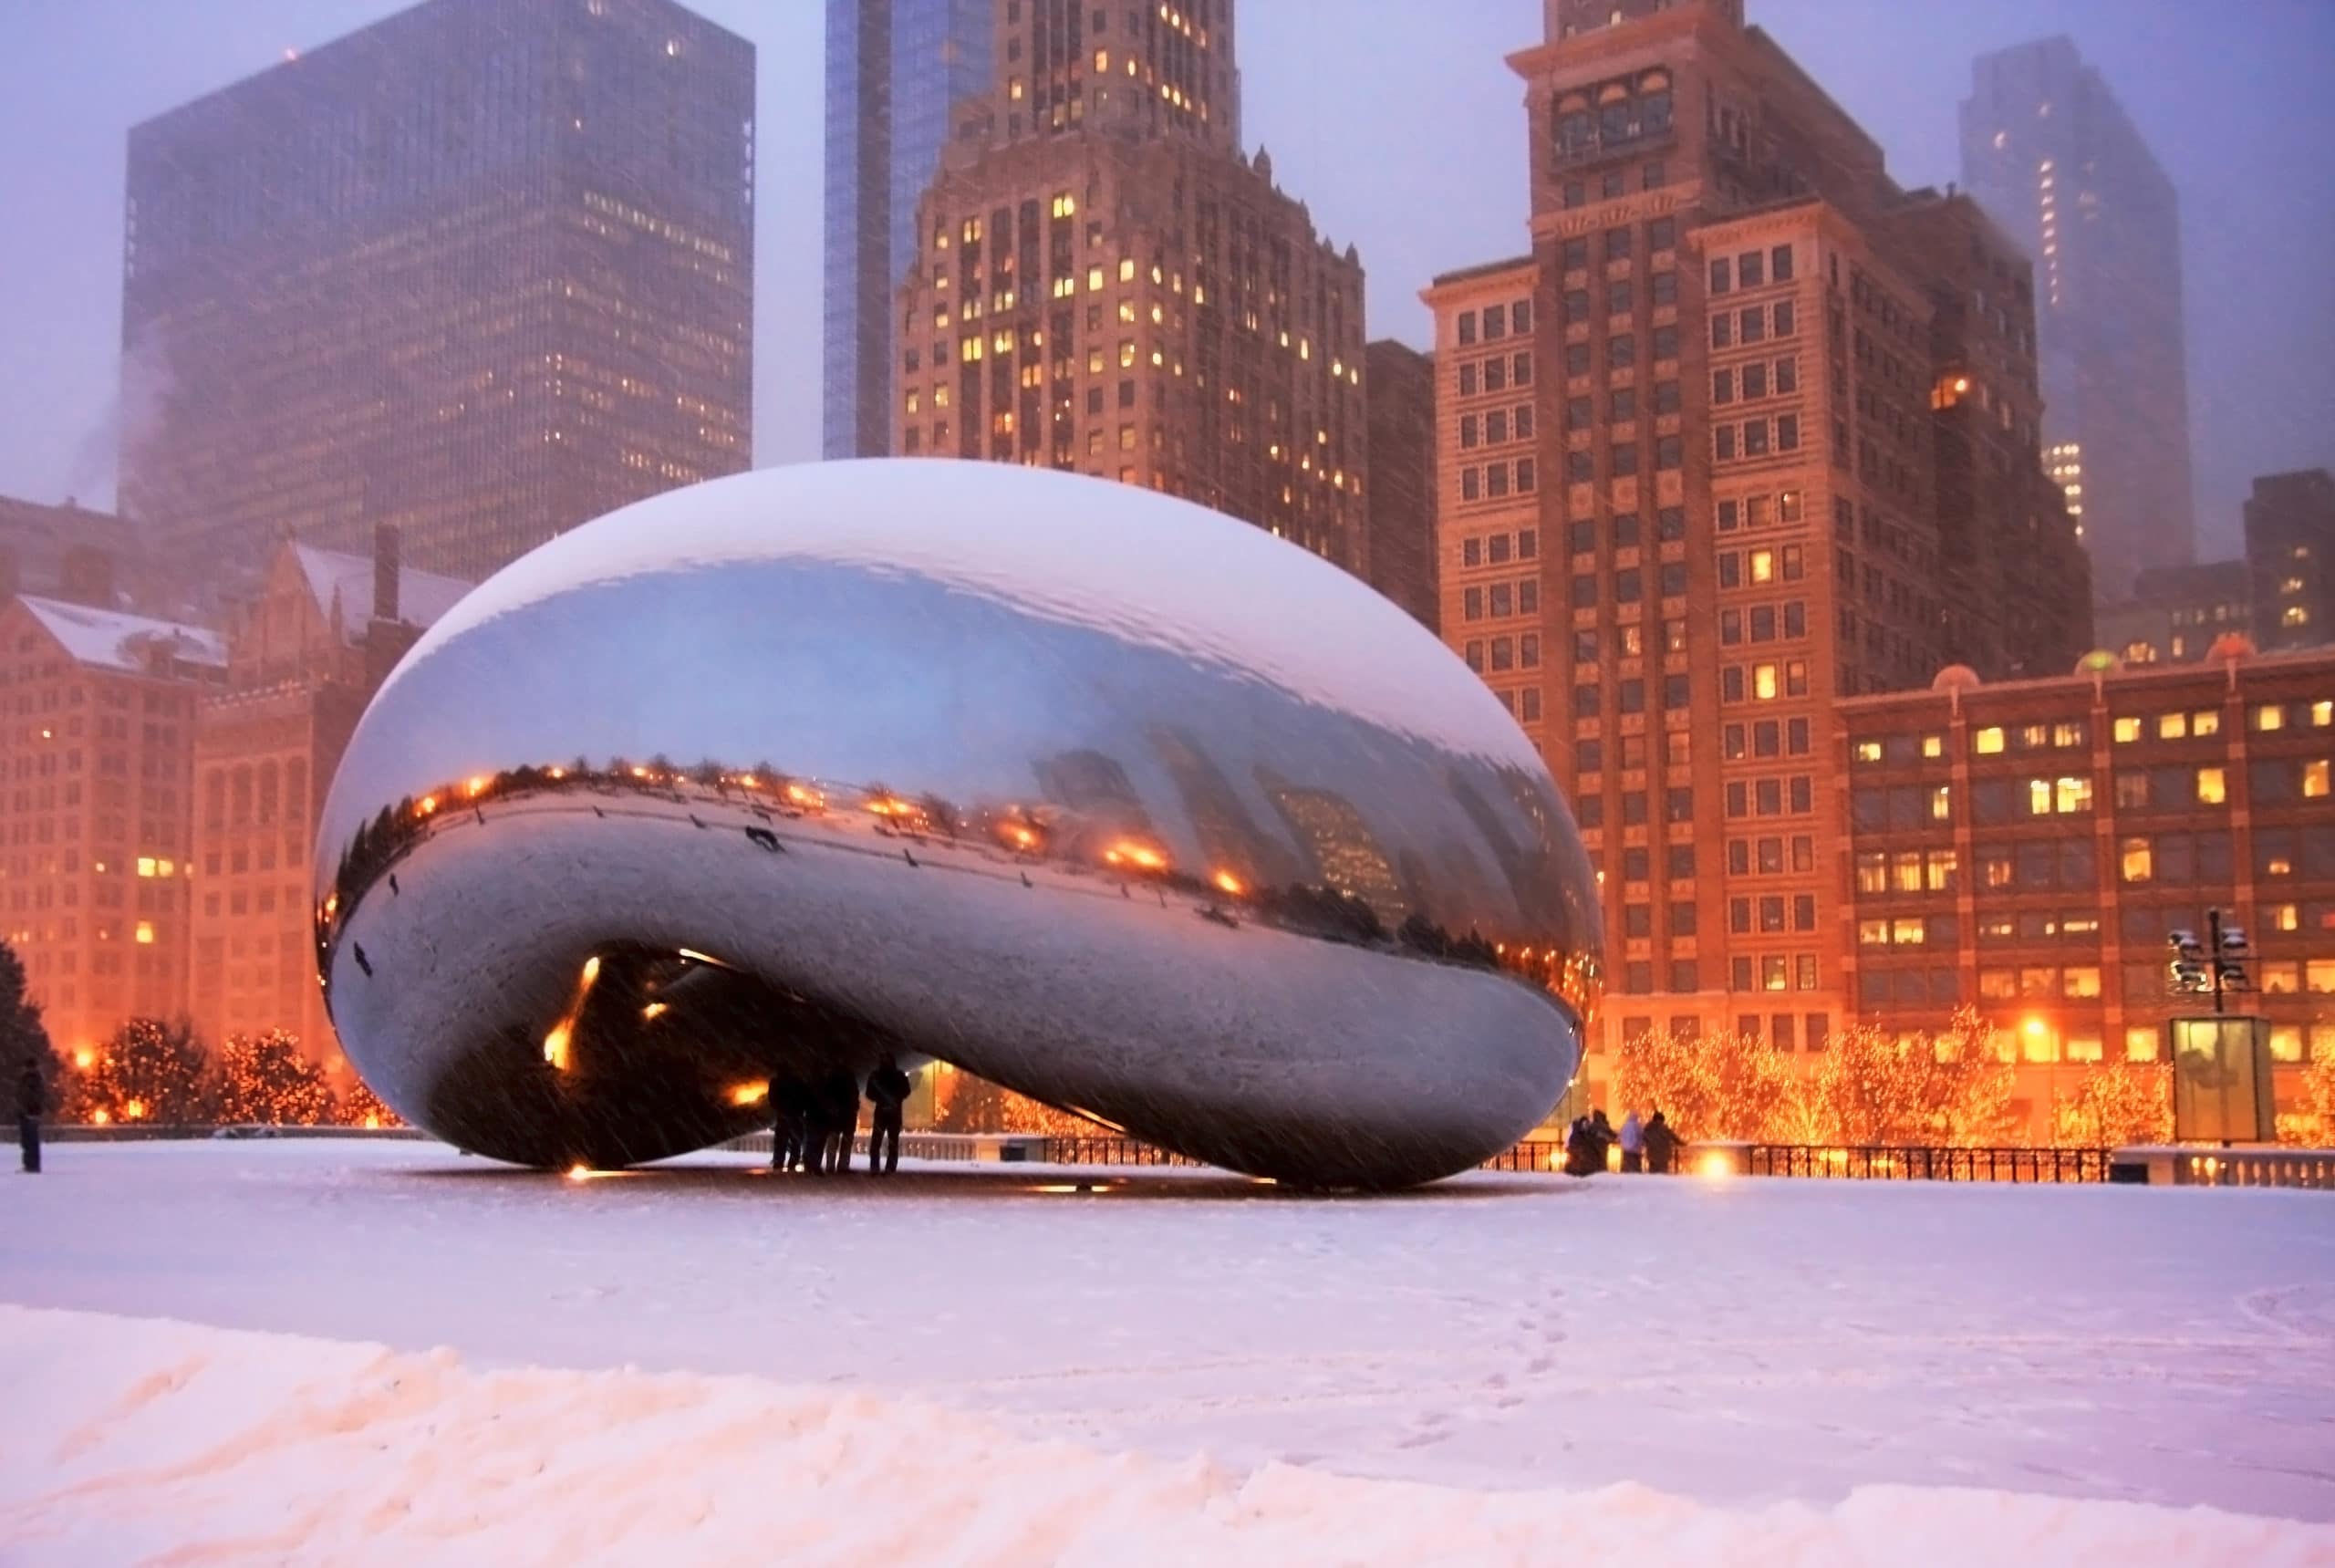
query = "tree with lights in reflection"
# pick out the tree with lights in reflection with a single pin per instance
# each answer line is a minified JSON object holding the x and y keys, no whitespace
{"x":264,"y":1079}
{"x":2311,"y":1124}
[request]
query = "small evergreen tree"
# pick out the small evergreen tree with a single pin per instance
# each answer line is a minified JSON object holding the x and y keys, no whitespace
{"x":23,"y":1037}
{"x":154,"y":1073}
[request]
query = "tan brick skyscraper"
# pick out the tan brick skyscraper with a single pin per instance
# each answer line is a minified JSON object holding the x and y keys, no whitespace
{"x":1724,"y":512}
{"x":1104,"y":283}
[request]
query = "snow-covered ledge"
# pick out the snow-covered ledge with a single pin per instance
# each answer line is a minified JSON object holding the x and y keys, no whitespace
{"x":2201,"y":1165}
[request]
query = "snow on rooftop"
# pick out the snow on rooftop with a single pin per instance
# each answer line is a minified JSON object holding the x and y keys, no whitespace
{"x":112,"y":640}
{"x":989,"y":1364}
{"x":423,"y":597}
{"x":1086,"y":552}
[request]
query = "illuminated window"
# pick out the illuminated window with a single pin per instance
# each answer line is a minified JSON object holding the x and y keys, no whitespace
{"x":1868,"y":750}
{"x":2128,"y":730}
{"x":1933,"y":745}
{"x":1763,"y":683}
{"x":1126,"y":269}
{"x":2212,"y":786}
{"x":2081,"y":981}
{"x":2318,"y":977}
{"x":2068,"y":734}
{"x":1989,"y":741}
{"x":2083,"y":1048}
{"x":2314,"y":778}
{"x":1941,"y":802}
{"x":2282,"y":916}
{"x":145,"y":933}
{"x":2286,"y":1042}
{"x":145,"y":866}
{"x":2172,"y":726}
{"x":2136,"y":862}
{"x":1907,"y":931}
{"x":2270,"y":716}
{"x":2323,"y":713}
{"x":2208,"y":723}
{"x":1763,"y":565}
{"x":2141,"y":1043}
{"x":1939,"y":869}
{"x":1873,"y":933}
{"x":2072,"y":793}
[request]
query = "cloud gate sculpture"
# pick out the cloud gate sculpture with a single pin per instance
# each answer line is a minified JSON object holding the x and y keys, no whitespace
{"x":1108,"y":798}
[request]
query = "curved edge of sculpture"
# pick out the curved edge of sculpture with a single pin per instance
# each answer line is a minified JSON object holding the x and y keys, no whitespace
{"x":1127,"y":806}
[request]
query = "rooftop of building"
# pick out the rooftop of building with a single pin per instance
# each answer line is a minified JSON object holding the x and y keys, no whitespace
{"x":2160,"y":584}
{"x":111,"y":639}
{"x":346,"y":582}
{"x":1482,"y":269}
{"x":2239,"y":662}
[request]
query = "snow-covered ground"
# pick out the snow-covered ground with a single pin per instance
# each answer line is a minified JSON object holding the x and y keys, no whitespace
{"x":994,"y":1366}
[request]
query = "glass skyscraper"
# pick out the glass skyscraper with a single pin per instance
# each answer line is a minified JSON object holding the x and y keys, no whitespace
{"x":2054,"y":158}
{"x":483,"y":270}
{"x":895,"y":70}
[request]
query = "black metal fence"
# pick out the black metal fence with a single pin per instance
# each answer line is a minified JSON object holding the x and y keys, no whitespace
{"x":1106,"y":1151}
{"x":1926,"y":1164}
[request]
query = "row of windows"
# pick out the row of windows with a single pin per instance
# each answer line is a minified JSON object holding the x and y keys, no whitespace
{"x":1497,"y":601}
{"x":1524,"y":704}
{"x":1498,"y":321}
{"x":1794,"y":796}
{"x":1753,"y":324}
{"x":1762,"y":623}
{"x":1496,"y":549}
{"x":1611,"y":185}
{"x":1738,"y":569}
{"x":1621,"y":406}
{"x":1772,"y":971}
{"x":1779,"y":1031}
{"x":1763,"y":682}
{"x":1751,"y":269}
{"x":1622,"y":460}
{"x":1495,"y":374}
{"x":1677,"y":806}
{"x":1506,"y":653}
{"x":1589,"y":755}
{"x":1499,"y":425}
{"x":1629,"y":696}
{"x":1617,"y":243}
{"x":1492,"y":481}
{"x":1575,"y":308}
{"x":1757,"y":379}
{"x":1765,"y":915}
{"x":1764,"y":738}
{"x":1622,"y":351}
{"x":1629,"y":585}
{"x":1581,"y":535}
{"x":1755,"y":438}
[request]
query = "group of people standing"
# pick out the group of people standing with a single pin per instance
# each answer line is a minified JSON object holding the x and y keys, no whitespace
{"x":811,"y":1123}
{"x":1650,"y":1145}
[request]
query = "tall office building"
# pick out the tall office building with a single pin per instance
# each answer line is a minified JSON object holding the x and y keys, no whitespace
{"x":2290,"y":551}
{"x":481,"y":271}
{"x":2053,"y":156}
{"x":1748,"y":431}
{"x":1399,"y":512}
{"x":895,"y":71}
{"x":1103,"y":282}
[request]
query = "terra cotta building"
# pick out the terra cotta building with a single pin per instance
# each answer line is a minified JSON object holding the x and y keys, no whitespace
{"x":1748,"y":430}
{"x":1103,"y":283}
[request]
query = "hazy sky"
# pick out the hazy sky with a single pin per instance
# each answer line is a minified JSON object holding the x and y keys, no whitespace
{"x":1396,"y":120}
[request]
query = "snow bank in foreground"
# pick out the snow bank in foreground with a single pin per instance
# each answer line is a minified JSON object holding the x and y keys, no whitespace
{"x":134,"y":1437}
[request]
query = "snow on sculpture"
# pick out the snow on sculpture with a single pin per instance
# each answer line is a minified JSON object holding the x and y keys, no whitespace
{"x":1114,"y":800}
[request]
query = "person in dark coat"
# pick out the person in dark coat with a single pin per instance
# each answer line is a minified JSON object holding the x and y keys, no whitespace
{"x":841,"y":1113}
{"x":788,"y":1133}
{"x":888,"y":1091}
{"x":32,"y":1104}
{"x":1661,"y":1145}
{"x":1583,"y":1156}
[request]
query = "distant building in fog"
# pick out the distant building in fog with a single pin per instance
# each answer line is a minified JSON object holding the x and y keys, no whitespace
{"x":894,"y":70}
{"x":2051,"y":154}
{"x":68,"y":552}
{"x":2176,"y":614}
{"x":302,"y":658}
{"x":95,"y":788}
{"x":2290,"y":547}
{"x":481,"y":271}
{"x":1398,"y":512}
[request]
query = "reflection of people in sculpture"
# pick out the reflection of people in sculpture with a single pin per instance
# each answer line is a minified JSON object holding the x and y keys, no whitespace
{"x":888,"y":1091}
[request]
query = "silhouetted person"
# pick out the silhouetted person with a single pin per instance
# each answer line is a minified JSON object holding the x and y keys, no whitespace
{"x":32,"y":1104}
{"x":840,"y":1095}
{"x":888,"y":1091}
{"x":789,"y":1125}
{"x":1583,"y":1155}
{"x":1661,"y":1145}
{"x":1633,"y":1143}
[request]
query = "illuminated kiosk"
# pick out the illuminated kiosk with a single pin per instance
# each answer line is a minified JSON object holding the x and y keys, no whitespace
{"x":1123,"y":804}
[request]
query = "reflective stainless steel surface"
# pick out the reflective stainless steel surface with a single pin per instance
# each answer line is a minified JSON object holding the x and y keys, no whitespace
{"x":1122,"y":804}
